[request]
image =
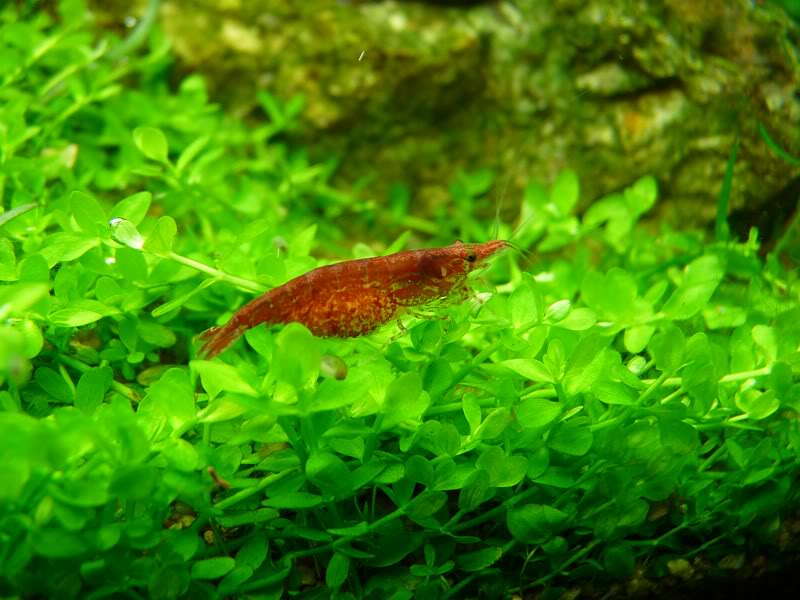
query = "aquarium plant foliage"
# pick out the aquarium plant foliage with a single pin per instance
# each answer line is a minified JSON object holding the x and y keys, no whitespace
{"x":618,"y":406}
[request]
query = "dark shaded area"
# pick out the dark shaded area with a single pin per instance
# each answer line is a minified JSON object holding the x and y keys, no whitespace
{"x":780,"y":584}
{"x":772,"y":220}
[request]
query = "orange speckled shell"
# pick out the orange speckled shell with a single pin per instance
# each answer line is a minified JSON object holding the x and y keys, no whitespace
{"x":355,"y":297}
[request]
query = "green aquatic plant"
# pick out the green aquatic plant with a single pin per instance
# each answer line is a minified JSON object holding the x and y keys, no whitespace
{"x":614,"y":409}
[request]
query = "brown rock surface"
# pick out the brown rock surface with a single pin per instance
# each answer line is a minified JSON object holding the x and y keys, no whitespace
{"x":615,"y":89}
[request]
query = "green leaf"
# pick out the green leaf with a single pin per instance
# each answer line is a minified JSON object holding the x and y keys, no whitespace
{"x":701,"y":279}
{"x":535,"y":523}
{"x":54,"y":384}
{"x":131,"y":264}
{"x":678,"y":436}
{"x":212,"y":568}
{"x":537,"y":412}
{"x":756,"y":404}
{"x":180,"y":454}
{"x":472,"y":411}
{"x":34,"y":269}
{"x":557,"y":311}
{"x":699,"y":376}
{"x":572,"y":439}
{"x":88,"y":213}
{"x":107,"y":290}
{"x":253,"y":553}
{"x":612,"y":392}
{"x":151,"y":142}
{"x":173,"y":394}
{"x":16,"y":298}
{"x":641,"y":196}
{"x":15,"y":478}
{"x":613,"y":294}
{"x":579,"y":319}
{"x":224,"y":408}
{"x":425,"y":504}
{"x":73,"y":317}
{"x":160,"y":240}
{"x":765,"y":339}
{"x":168,"y":582}
{"x":667,"y":348}
{"x":294,"y":500}
{"x":538,"y":463}
{"x":297,"y":356}
{"x":589,"y":362}
{"x":637,"y":337}
{"x":133,"y":208}
{"x":66,"y":246}
{"x":530,"y":368}
{"x":492,"y":460}
{"x":248,"y":517}
{"x":9,"y":215}
{"x":359,"y":530}
{"x":54,"y":542}
{"x":337,"y":571}
{"x":404,"y":400}
{"x":619,"y":560}
{"x":330,"y":474}
{"x":280,"y":461}
{"x":776,"y":149}
{"x":8,"y":262}
{"x":448,"y":441}
{"x":419,"y":470}
{"x":217,"y":376}
{"x":92,"y":388}
{"x":176,"y":303}
{"x":124,"y":232}
{"x":722,"y":230}
{"x":190,"y":152}
{"x":513,"y":471}
{"x":231,"y":582}
{"x":526,"y":303}
{"x":474,"y":491}
{"x":479,"y":560}
{"x":134,"y":482}
{"x":565,"y":191}
{"x":493,"y":425}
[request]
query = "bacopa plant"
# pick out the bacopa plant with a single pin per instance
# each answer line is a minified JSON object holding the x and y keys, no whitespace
{"x":619,"y":408}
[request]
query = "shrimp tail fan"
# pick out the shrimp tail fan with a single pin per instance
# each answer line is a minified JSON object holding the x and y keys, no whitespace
{"x":217,"y":339}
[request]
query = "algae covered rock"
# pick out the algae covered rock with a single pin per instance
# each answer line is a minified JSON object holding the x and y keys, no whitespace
{"x":414,"y":92}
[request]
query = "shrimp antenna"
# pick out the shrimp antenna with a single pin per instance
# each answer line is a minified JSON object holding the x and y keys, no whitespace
{"x":521,"y":226}
{"x":499,"y":205}
{"x":528,"y":255}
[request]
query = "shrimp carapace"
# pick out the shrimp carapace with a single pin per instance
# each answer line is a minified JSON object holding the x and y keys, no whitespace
{"x":355,"y":297}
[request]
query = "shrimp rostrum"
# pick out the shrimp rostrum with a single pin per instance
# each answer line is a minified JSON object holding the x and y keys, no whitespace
{"x":356,"y":297}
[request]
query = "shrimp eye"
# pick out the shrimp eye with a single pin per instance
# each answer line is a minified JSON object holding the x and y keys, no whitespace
{"x":471,"y":257}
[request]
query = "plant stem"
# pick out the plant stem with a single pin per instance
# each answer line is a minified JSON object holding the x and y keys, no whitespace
{"x":556,"y":571}
{"x":729,"y":378}
{"x":498,"y":510}
{"x":651,"y":390}
{"x":251,"y":586}
{"x":118,"y":387}
{"x":262,"y":484}
{"x":344,"y":540}
{"x":297,"y":444}
{"x":246,"y":284}
{"x":372,"y":439}
{"x":477,"y":360}
{"x":16,"y":212}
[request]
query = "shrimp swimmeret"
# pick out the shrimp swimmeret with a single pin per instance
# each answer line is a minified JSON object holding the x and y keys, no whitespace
{"x":355,"y":297}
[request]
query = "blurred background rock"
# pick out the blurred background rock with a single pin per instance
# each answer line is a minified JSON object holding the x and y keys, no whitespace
{"x":414,"y":92}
